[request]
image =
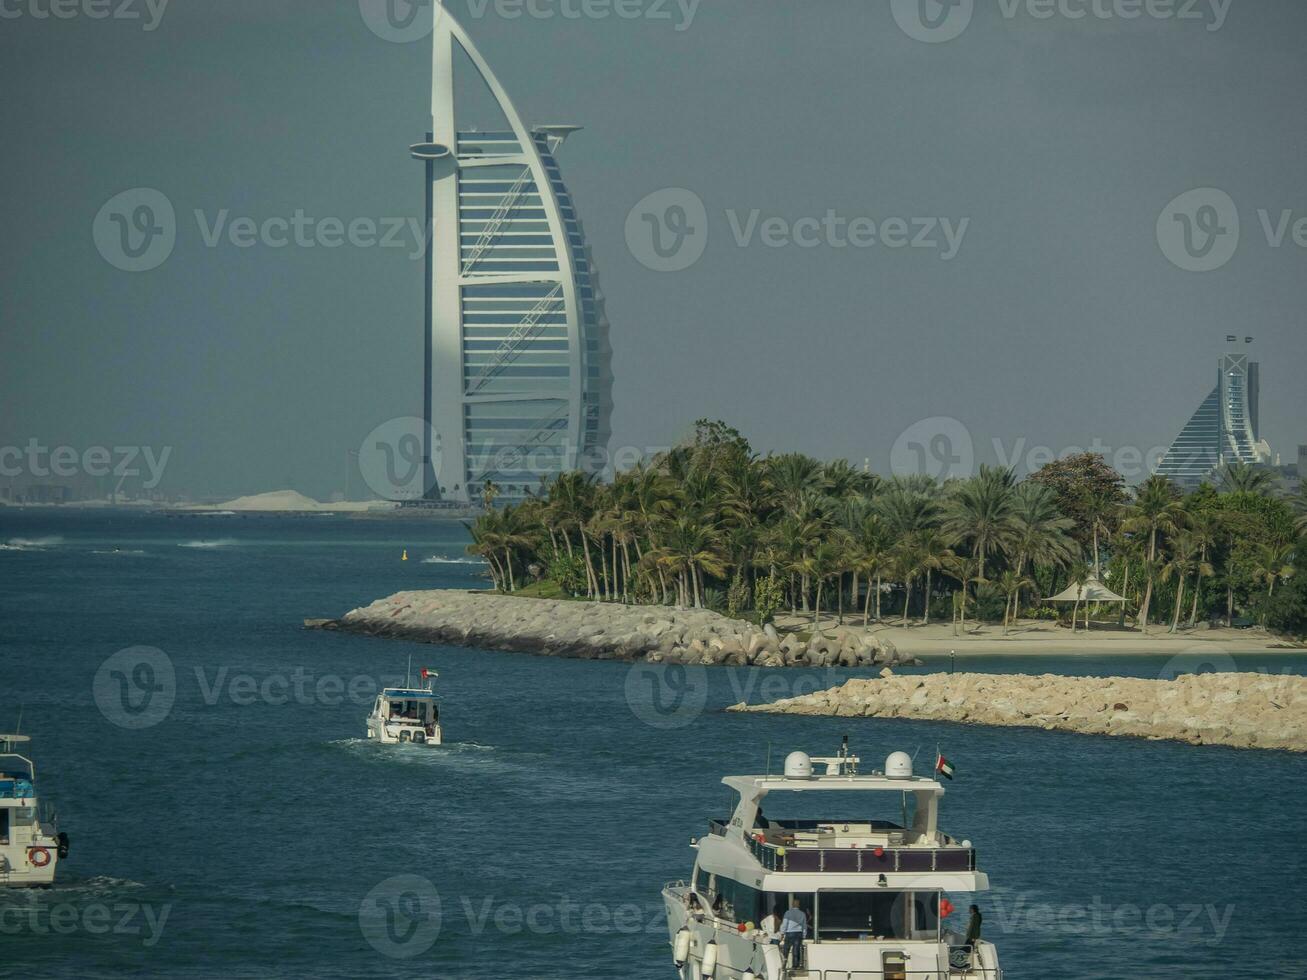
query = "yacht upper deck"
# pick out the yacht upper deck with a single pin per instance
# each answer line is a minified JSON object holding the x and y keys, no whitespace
{"x":17,"y":773}
{"x":854,"y":844}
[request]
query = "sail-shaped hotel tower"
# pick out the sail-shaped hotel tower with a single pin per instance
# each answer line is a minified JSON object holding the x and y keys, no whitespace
{"x":518,"y":385}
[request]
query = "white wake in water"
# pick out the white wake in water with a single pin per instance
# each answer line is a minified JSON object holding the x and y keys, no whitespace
{"x":439,"y":560}
{"x":31,"y":544}
{"x":207,"y":545}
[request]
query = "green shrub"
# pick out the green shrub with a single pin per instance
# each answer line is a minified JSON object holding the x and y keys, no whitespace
{"x":1286,"y":610}
{"x":767,"y":598}
{"x":737,"y":596}
{"x":569,"y":572}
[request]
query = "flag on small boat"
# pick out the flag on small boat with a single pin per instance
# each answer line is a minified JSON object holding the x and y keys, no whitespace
{"x":943,"y":767}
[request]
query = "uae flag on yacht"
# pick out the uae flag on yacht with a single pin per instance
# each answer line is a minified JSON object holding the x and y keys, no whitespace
{"x":942,"y":766}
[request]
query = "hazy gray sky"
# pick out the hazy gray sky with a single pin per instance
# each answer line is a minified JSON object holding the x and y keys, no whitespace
{"x":1060,"y":140}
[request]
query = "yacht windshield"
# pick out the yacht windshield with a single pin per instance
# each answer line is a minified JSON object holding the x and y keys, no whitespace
{"x":808,"y":810}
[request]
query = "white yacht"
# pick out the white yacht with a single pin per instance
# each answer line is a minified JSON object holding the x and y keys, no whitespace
{"x":30,"y":843}
{"x":872,"y":884}
{"x":407,"y":715}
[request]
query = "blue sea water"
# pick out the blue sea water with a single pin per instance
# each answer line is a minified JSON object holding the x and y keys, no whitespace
{"x":249,"y":830}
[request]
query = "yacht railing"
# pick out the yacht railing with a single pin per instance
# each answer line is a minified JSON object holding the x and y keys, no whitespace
{"x":981,"y":972}
{"x":861,"y":860}
{"x":975,"y":973}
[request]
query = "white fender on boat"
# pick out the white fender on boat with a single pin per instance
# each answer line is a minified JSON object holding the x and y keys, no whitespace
{"x":749,"y":975}
{"x":708,"y":966}
{"x":681,"y":947}
{"x":772,"y":965}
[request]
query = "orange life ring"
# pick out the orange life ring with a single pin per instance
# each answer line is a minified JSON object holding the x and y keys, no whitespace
{"x":39,"y":856}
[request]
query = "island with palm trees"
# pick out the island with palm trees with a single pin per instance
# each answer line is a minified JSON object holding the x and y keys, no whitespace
{"x":810,"y":550}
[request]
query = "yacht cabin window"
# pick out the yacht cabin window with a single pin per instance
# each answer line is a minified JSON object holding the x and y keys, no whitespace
{"x":881,"y":914}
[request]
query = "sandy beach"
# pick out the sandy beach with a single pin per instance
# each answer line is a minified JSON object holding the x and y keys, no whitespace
{"x":1041,"y":638}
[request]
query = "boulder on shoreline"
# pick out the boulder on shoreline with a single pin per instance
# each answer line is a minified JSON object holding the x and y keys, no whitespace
{"x":605,"y":631}
{"x":1247,"y":711}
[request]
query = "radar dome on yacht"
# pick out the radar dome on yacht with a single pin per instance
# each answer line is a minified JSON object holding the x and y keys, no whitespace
{"x":798,"y":765}
{"x":898,"y":766}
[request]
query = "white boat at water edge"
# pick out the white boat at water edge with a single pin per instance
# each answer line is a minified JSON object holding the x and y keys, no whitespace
{"x":407,"y":715}
{"x":867,"y":897}
{"x":31,"y":845}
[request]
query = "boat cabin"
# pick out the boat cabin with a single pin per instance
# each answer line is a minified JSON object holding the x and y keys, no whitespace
{"x":404,"y":705}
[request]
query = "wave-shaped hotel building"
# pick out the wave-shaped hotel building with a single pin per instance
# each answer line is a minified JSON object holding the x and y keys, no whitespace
{"x":518,"y":385}
{"x":1223,"y":430}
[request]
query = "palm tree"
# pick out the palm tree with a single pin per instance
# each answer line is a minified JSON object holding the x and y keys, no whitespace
{"x":909,"y":563}
{"x":982,"y":513}
{"x":693,"y":548}
{"x":709,"y":512}
{"x":791,"y":476}
{"x":1184,"y":561}
{"x":1080,"y":574}
{"x":1041,"y":535}
{"x":1246,"y":478}
{"x":935,"y":557}
{"x":872,"y":553}
{"x":1204,"y":527}
{"x":1299,"y":505}
{"x":1157,"y":511}
{"x":967,"y":571}
{"x":485,"y":542}
{"x":1010,"y":583}
{"x":830,"y":559}
{"x":1272,"y":563}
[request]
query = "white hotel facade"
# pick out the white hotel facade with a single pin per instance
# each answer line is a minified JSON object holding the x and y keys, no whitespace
{"x":518,"y":383}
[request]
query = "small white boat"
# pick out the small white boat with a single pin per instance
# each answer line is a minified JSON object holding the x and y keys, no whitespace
{"x":868,"y":887}
{"x":407,"y":715}
{"x":30,"y":843}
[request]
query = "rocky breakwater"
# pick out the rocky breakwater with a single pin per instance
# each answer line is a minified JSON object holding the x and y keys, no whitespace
{"x":603,"y":631}
{"x":1248,"y":711}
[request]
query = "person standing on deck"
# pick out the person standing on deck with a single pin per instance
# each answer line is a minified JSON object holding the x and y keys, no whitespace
{"x":794,"y":927}
{"x":771,"y":925}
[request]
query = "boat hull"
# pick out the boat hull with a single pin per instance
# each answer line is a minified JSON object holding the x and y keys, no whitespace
{"x":386,"y":734}
{"x":737,"y":951}
{"x":18,"y":871}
